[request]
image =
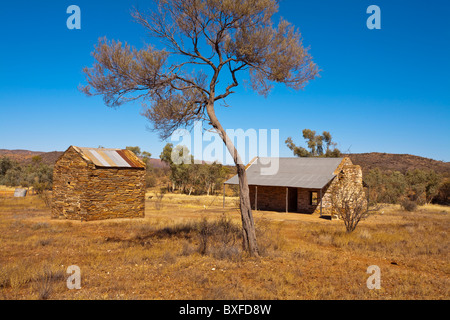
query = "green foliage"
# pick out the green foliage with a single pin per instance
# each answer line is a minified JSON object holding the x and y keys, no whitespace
{"x":5,"y":165}
{"x":408,"y":205}
{"x":315,"y":144}
{"x":136,"y":150}
{"x":443,"y":196}
{"x":37,"y":174}
{"x":423,"y":185}
{"x":418,"y":186}
{"x":190,"y":177}
{"x":144,"y":155}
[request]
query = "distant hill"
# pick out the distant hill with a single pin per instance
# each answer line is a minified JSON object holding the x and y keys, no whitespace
{"x":398,"y":162}
{"x":25,"y":156}
{"x":367,"y":161}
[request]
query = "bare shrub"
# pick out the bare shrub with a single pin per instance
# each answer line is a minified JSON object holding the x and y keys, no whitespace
{"x":46,"y":196}
{"x":408,"y":205}
{"x":158,"y":199}
{"x":270,"y":239}
{"x":349,"y":202}
{"x":44,"y":288}
{"x":232,"y":253}
{"x":187,"y":249}
{"x":43,"y":242}
{"x":204,"y":233}
{"x":219,"y":238}
{"x":39,"y":225}
{"x":44,"y":281}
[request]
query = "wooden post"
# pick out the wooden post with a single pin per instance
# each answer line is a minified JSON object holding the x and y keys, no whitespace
{"x":223,"y":204}
{"x":287,"y":200}
{"x":320,"y":202}
{"x":256,"y":198}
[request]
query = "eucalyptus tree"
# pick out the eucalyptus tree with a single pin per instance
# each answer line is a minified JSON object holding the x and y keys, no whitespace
{"x":205,"y":41}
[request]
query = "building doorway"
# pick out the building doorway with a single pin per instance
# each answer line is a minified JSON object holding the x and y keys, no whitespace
{"x":292,"y":199}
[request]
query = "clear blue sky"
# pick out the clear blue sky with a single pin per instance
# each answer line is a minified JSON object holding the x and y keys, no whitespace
{"x":382,"y":90}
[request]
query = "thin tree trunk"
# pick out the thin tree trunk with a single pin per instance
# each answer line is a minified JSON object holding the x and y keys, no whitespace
{"x":248,"y":225}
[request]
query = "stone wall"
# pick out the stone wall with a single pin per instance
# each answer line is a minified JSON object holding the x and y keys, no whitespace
{"x":114,"y":193}
{"x":70,"y":178}
{"x":86,"y":192}
{"x":348,"y":181}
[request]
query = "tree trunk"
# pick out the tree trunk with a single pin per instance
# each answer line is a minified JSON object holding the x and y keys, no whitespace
{"x":248,"y":225}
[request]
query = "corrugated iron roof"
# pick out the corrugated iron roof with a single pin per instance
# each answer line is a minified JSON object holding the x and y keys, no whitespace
{"x":118,"y":158}
{"x":313,"y":173}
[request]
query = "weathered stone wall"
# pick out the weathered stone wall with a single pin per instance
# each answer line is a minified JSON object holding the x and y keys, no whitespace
{"x":114,"y":193}
{"x":326,"y":198}
{"x":349,"y":178}
{"x":70,"y":177}
{"x":83,"y":191}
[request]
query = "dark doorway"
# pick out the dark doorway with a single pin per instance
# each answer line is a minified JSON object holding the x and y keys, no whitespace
{"x":292,"y":199}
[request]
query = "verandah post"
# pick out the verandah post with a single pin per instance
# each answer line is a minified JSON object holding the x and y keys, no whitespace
{"x":256,"y":197}
{"x":320,"y":202}
{"x":287,"y":199}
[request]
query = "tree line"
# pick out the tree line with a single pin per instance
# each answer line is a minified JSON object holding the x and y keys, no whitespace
{"x":36,"y":175}
{"x":189,"y":178}
{"x":415,"y":187}
{"x":319,"y":145}
{"x":192,"y":178}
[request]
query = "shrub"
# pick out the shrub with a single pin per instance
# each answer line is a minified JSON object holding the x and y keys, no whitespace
{"x":219,"y":238}
{"x":443,"y":196}
{"x":158,"y":199}
{"x":150,"y":180}
{"x":408,"y":205}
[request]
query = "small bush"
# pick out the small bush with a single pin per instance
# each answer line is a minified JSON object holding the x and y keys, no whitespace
{"x":150,"y":181}
{"x":46,"y":197}
{"x":408,"y":205}
{"x":39,"y":225}
{"x":219,"y":238}
{"x":158,"y":200}
{"x":44,"y":280}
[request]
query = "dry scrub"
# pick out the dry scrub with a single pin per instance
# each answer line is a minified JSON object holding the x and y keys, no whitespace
{"x":190,"y":250}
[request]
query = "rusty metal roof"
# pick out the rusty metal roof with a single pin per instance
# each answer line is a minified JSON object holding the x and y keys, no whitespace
{"x":313,"y":173}
{"x":103,"y":157}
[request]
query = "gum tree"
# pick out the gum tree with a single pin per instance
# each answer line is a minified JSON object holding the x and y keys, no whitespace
{"x":205,"y":41}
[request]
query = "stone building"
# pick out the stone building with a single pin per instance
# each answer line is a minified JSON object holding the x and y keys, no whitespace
{"x":300,"y":184}
{"x":93,"y":184}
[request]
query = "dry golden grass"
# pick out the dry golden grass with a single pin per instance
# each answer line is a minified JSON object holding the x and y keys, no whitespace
{"x":190,"y":249}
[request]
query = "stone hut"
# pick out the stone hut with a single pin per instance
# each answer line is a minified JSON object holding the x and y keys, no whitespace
{"x":300,"y":184}
{"x":93,"y":184}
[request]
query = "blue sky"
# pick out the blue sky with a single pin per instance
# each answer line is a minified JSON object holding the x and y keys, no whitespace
{"x":384,"y":90}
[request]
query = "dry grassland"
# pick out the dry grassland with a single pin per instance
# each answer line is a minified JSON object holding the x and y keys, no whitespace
{"x":190,"y":248}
